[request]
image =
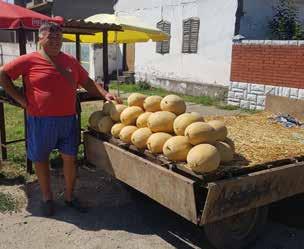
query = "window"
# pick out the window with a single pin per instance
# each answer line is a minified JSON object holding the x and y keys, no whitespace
{"x":163,"y":47}
{"x":190,"y":35}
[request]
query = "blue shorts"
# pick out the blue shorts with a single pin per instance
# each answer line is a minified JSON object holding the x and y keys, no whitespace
{"x":45,"y":134}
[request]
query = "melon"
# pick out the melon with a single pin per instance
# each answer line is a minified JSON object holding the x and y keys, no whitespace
{"x":161,"y":121}
{"x":177,"y":148}
{"x":116,"y":111}
{"x":136,"y":99}
{"x":200,"y":132}
{"x":182,"y":121}
{"x":173,"y":103}
{"x":152,"y":103}
{"x":126,"y":133}
{"x":94,"y":119}
{"x":225,"y":150}
{"x":105,"y":124}
{"x":203,"y":158}
{"x":115,"y":130}
{"x":139,"y":137}
{"x":220,"y":129}
{"x":107,"y":107}
{"x":156,"y":141}
{"x":142,"y":119}
{"x":129,"y":115}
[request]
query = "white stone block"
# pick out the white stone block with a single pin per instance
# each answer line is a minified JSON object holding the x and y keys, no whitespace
{"x":234,"y":103}
{"x":301,"y":94}
{"x":258,"y":107}
{"x":243,"y":86}
{"x":244,"y":104}
{"x":270,"y":90}
{"x":258,"y":87}
{"x":251,"y":97}
{"x":261,"y":100}
{"x":252,"y":107}
{"x":286,"y":92}
{"x":294,"y":92}
{"x":239,"y":95}
{"x":231,"y":94}
{"x":235,"y":85}
{"x":301,"y":43}
{"x":268,"y":42}
{"x":293,"y":43}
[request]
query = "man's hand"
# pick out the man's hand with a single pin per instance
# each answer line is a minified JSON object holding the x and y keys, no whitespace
{"x":110,"y":96}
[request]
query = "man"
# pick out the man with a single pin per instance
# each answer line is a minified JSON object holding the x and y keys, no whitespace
{"x":51,"y":79}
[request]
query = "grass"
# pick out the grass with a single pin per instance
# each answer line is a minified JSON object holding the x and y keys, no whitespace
{"x":144,"y":88}
{"x":7,"y":203}
{"x":15,"y":130}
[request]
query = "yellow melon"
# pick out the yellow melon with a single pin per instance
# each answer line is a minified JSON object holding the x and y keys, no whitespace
{"x":152,"y":103}
{"x":142,"y":119}
{"x":161,"y":121}
{"x":129,"y":115}
{"x":139,"y":137}
{"x":220,"y":129}
{"x":116,"y":111}
{"x":182,"y":121}
{"x":225,"y":150}
{"x":107,"y":107}
{"x":198,"y":116}
{"x":200,"y":132}
{"x":203,"y":158}
{"x":136,"y":99}
{"x":116,"y":128}
{"x":105,"y":124}
{"x":156,"y":141}
{"x":177,"y":148}
{"x":126,"y":133}
{"x":173,"y":103}
{"x":94,"y":119}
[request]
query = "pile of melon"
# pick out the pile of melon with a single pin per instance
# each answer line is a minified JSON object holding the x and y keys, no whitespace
{"x":162,"y":126}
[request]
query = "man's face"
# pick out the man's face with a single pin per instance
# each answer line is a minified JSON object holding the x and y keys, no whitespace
{"x":51,"y":42}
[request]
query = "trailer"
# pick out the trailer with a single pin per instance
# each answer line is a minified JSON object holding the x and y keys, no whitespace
{"x":231,"y":204}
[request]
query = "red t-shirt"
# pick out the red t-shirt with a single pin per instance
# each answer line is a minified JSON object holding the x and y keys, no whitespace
{"x":48,"y":93}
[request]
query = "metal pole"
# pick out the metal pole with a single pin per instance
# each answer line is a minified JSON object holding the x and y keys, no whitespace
{"x":2,"y":133}
{"x":117,"y":63}
{"x":22,"y":51}
{"x":105,"y":59}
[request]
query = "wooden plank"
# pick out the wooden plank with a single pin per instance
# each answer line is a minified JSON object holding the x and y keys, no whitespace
{"x":164,"y":186}
{"x":278,"y":104}
{"x":229,"y":197}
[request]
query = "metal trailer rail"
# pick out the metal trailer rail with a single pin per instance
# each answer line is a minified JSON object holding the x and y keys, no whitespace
{"x":231,"y":205}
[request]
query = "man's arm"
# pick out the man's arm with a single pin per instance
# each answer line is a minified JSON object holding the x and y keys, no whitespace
{"x":97,"y":90}
{"x":10,"y":89}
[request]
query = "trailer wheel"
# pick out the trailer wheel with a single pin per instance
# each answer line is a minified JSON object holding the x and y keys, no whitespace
{"x":238,"y":231}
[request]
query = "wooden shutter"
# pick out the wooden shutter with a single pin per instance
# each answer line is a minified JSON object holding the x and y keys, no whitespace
{"x":163,"y":47}
{"x":190,"y":35}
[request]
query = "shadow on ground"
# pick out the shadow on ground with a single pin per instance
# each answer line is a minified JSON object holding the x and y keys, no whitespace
{"x":113,"y":206}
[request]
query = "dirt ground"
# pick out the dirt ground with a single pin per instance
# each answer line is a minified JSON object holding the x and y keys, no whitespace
{"x":118,"y":218}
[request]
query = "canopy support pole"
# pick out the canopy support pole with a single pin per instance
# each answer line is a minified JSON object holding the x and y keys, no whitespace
{"x":22,"y":51}
{"x":124,"y":58}
{"x":105,"y":59}
{"x":78,"y":47}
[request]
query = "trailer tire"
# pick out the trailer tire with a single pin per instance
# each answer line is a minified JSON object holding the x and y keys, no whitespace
{"x":238,"y":231}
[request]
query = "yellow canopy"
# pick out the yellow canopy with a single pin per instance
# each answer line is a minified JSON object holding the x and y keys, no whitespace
{"x":134,"y":30}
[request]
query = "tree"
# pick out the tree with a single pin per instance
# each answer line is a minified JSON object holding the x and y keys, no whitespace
{"x":285,"y":24}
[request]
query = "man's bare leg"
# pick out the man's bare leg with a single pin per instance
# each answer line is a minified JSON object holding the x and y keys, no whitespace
{"x":43,"y":174}
{"x":69,"y":171}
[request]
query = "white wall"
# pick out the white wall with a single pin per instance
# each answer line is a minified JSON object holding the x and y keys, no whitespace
{"x":212,"y":62}
{"x":258,"y":13}
{"x":10,"y":51}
